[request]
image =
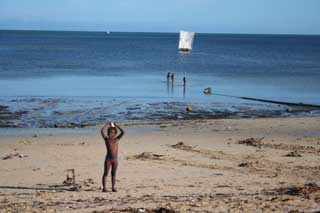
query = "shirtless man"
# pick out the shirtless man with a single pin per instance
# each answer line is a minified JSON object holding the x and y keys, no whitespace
{"x":109,"y":134}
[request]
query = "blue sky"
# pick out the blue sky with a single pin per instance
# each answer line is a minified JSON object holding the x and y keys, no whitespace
{"x":212,"y":16}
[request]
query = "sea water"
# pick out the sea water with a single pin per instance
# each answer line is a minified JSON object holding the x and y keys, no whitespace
{"x":50,"y":78}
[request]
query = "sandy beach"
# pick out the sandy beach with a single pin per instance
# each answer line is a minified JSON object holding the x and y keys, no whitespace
{"x":236,"y":165}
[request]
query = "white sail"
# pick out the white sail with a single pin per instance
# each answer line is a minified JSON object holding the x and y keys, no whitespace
{"x":186,"y":40}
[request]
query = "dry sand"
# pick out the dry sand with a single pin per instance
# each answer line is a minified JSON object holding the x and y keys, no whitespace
{"x":196,"y":166}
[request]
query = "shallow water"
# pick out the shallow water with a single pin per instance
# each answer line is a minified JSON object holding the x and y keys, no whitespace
{"x":52,"y":79}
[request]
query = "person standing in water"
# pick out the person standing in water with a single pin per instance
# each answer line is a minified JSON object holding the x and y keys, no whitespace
{"x":172,"y":83}
{"x":172,"y":78}
{"x":109,"y":134}
{"x":168,"y":81}
{"x":184,"y":86}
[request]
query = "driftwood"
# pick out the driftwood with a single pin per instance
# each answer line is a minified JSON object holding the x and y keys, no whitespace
{"x":13,"y":155}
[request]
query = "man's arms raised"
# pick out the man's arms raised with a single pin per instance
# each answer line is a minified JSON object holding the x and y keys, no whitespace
{"x":104,"y":130}
{"x":121,"y":131}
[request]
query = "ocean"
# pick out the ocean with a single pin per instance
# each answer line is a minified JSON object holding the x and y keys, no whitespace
{"x":77,"y":79}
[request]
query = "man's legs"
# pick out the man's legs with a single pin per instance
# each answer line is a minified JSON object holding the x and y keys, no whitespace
{"x":113,"y":174}
{"x":107,"y":165}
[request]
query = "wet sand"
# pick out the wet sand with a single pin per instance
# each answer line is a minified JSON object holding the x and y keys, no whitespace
{"x":249,"y":165}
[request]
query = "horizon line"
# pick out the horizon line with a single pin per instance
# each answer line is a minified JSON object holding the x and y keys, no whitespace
{"x":111,"y":31}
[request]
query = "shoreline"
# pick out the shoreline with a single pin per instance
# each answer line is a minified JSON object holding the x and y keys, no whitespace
{"x":22,"y":119}
{"x":133,"y":125}
{"x":78,"y":113}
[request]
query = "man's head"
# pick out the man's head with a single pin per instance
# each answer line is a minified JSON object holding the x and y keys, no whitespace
{"x":112,"y":132}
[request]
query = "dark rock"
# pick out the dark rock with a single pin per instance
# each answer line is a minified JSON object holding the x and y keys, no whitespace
{"x":293,"y":154}
{"x":243,"y":165}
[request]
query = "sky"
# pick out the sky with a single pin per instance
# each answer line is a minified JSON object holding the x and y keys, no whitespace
{"x":206,"y":16}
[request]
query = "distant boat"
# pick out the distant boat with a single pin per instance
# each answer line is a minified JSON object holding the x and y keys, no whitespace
{"x":186,"y":40}
{"x":108,"y":32}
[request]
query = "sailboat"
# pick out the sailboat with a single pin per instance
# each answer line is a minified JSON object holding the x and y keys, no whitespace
{"x":186,"y":40}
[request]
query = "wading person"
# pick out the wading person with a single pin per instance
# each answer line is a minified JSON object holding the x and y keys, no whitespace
{"x":184,"y":86}
{"x":172,"y":77}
